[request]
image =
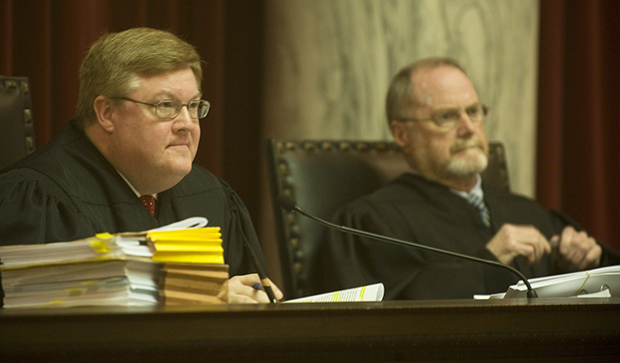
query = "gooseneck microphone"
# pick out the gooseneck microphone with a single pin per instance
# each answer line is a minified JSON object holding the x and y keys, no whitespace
{"x":290,"y":205}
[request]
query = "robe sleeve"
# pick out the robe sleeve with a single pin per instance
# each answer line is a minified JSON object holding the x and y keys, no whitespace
{"x":406,"y":272}
{"x":240,"y":226}
{"x":35,"y":210}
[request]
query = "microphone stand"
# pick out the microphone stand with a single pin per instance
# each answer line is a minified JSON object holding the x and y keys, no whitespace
{"x":290,"y":205}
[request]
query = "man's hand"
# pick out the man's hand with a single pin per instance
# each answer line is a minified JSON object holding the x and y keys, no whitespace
{"x":512,"y":241}
{"x":241,"y":290}
{"x":576,"y":251}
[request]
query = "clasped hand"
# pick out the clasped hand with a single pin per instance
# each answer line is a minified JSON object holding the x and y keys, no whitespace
{"x":574,"y":251}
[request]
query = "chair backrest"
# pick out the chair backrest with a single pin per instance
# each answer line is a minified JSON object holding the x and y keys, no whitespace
{"x":323,"y":175}
{"x":16,"y":124}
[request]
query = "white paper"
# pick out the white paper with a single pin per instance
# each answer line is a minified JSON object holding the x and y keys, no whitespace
{"x":600,"y":282}
{"x":363,"y":293}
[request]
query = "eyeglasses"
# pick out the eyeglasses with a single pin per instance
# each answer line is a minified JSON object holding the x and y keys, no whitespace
{"x":169,"y":109}
{"x":449,"y":118}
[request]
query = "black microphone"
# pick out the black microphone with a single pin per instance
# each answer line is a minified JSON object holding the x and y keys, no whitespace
{"x":290,"y":205}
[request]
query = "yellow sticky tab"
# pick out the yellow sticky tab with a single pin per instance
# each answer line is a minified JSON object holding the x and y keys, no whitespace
{"x":104,"y":236}
{"x":74,"y":292}
{"x":186,"y":234}
{"x":99,"y":246}
{"x":188,"y":257}
{"x":189,"y":247}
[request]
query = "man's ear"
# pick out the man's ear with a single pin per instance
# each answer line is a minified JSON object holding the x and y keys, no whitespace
{"x":399,"y":131}
{"x":104,"y":109}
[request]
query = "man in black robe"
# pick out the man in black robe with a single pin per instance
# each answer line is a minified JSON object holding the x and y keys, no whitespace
{"x":135,"y":137}
{"x":436,"y":117}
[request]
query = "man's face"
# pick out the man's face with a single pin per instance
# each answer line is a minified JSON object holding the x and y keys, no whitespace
{"x":441,"y":153}
{"x":148,"y":147}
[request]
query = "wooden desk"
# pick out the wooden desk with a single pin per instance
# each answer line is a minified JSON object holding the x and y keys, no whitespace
{"x":541,"y":330}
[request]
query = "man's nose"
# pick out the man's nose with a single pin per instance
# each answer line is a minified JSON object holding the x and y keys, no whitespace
{"x":184,"y":121}
{"x":466,"y":124}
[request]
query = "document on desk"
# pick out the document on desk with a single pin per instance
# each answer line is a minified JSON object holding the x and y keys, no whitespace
{"x":92,"y":283}
{"x":158,"y":267}
{"x":600,"y":282}
{"x":363,"y":293}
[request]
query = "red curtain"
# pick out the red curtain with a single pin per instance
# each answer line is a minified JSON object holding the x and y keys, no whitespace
{"x":46,"y":40}
{"x":578,"y":123}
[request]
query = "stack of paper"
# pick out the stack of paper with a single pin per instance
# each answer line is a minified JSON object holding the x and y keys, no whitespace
{"x":600,"y":282}
{"x":89,"y":249}
{"x":145,"y":268}
{"x":604,"y":280}
{"x":80,"y":283}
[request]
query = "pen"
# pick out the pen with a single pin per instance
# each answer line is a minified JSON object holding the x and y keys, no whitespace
{"x":264,"y":284}
{"x":262,"y":274}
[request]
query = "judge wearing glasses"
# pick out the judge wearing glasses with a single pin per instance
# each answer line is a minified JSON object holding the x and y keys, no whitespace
{"x":126,"y":162}
{"x":436,"y":117}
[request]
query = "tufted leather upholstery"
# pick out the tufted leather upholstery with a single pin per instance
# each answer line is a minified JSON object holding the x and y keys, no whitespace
{"x":323,"y":175}
{"x":17,"y":131}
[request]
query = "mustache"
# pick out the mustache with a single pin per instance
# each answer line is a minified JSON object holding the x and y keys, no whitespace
{"x":464,"y":144}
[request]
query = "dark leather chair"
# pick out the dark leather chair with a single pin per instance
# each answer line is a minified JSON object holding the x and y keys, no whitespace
{"x":16,"y":124}
{"x":323,"y":175}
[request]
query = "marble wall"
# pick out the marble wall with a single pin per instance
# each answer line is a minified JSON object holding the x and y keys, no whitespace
{"x":328,"y":64}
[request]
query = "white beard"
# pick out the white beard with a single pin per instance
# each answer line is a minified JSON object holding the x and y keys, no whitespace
{"x":473,"y":162}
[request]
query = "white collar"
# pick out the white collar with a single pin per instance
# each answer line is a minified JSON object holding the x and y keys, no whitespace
{"x":476,"y":190}
{"x":131,"y":186}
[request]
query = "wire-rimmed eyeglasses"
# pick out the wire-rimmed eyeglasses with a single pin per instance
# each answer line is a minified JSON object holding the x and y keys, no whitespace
{"x":449,"y":118}
{"x":169,"y":109}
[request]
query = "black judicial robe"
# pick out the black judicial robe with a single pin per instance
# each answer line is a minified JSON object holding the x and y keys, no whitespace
{"x":415,"y":209}
{"x":67,"y":190}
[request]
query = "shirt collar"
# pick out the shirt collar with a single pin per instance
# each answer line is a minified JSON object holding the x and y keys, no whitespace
{"x":131,"y":186}
{"x":476,"y":190}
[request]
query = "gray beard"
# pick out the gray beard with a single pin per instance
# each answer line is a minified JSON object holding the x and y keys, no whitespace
{"x":460,"y":167}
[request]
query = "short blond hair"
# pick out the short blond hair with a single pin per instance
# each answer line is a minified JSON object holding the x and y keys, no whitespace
{"x":115,"y":60}
{"x":398,"y":99}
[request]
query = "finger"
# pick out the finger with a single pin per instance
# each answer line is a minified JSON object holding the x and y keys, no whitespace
{"x":239,"y":293}
{"x":248,"y":280}
{"x":243,"y":284}
{"x":576,"y":260}
{"x":528,"y":251}
{"x":512,"y":241}
{"x":591,"y":258}
{"x":554,"y":242}
{"x":566,"y":242}
{"x":541,"y":246}
{"x":537,"y":240}
{"x":276,"y":290}
{"x":547,"y":248}
{"x":575,"y":249}
{"x":254,"y":281}
{"x":261,"y":288}
{"x":537,"y":245}
{"x":260,"y":296}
